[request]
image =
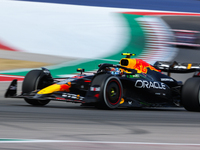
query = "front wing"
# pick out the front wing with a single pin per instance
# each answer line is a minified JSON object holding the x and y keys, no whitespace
{"x":56,"y":96}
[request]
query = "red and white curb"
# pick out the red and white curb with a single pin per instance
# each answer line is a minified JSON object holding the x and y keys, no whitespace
{"x":8,"y":78}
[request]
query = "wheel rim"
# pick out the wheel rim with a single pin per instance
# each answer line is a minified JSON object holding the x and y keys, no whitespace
{"x":113,"y":92}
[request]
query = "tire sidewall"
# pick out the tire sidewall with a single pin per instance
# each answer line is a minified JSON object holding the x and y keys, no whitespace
{"x":190,"y":96}
{"x":106,"y":100}
{"x":30,"y":83}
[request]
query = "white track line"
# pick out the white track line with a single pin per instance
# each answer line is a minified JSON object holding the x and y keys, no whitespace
{"x":94,"y":142}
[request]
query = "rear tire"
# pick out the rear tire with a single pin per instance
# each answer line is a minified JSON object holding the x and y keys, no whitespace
{"x":110,"y":91}
{"x":33,"y":81}
{"x":190,"y":95}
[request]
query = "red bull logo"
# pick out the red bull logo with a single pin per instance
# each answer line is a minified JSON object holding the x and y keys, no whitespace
{"x":142,"y":66}
{"x":65,"y":87}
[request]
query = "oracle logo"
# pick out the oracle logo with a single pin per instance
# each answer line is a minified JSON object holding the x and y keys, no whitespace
{"x":149,"y":84}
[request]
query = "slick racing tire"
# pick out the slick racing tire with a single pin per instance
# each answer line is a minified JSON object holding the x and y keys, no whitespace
{"x":111,"y":91}
{"x":190,"y":96}
{"x":33,"y":81}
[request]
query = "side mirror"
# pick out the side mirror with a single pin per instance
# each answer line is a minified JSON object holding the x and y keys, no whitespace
{"x":80,"y":70}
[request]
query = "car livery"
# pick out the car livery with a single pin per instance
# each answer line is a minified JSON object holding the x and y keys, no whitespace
{"x":132,"y":83}
{"x":149,"y":84}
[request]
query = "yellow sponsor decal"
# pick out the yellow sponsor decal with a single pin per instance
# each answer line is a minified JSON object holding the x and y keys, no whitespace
{"x":122,"y":101}
{"x":126,"y":54}
{"x":189,"y":66}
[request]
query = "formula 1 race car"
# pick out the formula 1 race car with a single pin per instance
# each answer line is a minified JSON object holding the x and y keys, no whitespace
{"x":132,"y":83}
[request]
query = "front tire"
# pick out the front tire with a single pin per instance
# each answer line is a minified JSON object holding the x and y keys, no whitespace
{"x":190,"y":96}
{"x":33,"y":81}
{"x":110,"y":91}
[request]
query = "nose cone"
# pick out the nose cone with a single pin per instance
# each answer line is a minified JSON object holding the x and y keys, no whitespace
{"x":55,"y":88}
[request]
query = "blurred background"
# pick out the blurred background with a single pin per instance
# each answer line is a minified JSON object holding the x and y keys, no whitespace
{"x":64,"y":35}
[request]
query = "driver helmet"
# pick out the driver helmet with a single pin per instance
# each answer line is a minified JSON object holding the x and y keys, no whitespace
{"x":115,"y":71}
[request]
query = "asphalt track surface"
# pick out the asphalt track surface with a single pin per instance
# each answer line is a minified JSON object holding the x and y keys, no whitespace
{"x":88,"y":128}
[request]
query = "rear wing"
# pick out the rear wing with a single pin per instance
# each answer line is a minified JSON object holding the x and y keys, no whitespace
{"x":176,"y":67}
